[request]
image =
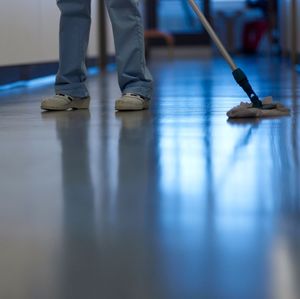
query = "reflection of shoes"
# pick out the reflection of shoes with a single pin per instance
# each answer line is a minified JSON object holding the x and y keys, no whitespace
{"x":132,"y":120}
{"x":69,"y":124}
{"x":64,"y":102}
{"x":132,"y":102}
{"x":76,"y":116}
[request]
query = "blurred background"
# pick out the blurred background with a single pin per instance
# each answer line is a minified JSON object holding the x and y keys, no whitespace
{"x":29,"y":43}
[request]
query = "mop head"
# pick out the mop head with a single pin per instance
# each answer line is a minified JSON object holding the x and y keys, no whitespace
{"x":270,"y":109}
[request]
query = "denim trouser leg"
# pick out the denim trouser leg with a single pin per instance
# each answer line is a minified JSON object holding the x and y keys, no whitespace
{"x":129,"y":40}
{"x":74,"y":32}
{"x":133,"y":73}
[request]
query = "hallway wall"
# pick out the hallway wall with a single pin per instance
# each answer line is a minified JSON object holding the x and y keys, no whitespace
{"x":29,"y":32}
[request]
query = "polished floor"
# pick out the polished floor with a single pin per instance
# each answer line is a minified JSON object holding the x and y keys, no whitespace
{"x":172,"y":203}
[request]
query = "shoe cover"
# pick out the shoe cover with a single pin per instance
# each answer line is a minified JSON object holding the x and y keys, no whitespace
{"x":245,"y":110}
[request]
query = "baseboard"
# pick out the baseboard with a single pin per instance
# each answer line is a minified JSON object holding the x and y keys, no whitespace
{"x":180,"y":52}
{"x":10,"y":74}
{"x":24,"y":72}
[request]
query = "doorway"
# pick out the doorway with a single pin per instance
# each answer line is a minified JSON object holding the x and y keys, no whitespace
{"x":178,"y":19}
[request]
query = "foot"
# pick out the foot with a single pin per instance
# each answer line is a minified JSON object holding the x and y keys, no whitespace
{"x":61,"y":102}
{"x":132,"y":102}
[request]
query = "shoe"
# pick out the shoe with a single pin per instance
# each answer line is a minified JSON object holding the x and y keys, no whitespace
{"x":132,"y":102}
{"x":61,"y":102}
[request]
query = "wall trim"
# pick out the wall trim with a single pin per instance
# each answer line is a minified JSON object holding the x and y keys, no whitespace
{"x":25,"y":72}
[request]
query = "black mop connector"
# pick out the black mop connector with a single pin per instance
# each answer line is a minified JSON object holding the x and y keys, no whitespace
{"x":243,"y":81}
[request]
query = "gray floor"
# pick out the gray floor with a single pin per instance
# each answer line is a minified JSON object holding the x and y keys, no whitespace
{"x":176,"y":202}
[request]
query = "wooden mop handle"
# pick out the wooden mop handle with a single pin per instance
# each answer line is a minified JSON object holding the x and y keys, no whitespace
{"x":213,"y":35}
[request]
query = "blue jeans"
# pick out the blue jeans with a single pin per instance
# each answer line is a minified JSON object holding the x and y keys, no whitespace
{"x":75,"y":23}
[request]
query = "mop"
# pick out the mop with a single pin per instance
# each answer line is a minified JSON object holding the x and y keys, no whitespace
{"x":257,"y":108}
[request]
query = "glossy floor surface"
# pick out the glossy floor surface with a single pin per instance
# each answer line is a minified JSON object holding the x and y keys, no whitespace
{"x":172,"y":203}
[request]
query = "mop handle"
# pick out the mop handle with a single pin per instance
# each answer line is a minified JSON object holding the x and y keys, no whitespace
{"x":213,"y":35}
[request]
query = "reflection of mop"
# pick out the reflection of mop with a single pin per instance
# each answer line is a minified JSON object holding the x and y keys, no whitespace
{"x":258,"y":108}
{"x":242,"y":143}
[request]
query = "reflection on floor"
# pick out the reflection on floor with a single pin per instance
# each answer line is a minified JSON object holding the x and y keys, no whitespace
{"x":176,"y":202}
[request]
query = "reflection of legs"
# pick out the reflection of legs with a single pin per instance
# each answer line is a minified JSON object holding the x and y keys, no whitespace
{"x":133,"y":74}
{"x":80,"y":252}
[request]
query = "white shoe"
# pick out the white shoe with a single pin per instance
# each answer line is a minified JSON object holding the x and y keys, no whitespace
{"x":132,"y":102}
{"x":64,"y":102}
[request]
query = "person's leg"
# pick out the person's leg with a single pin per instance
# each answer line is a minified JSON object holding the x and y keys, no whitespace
{"x":134,"y":76}
{"x":70,"y":89}
{"x":75,"y":22}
